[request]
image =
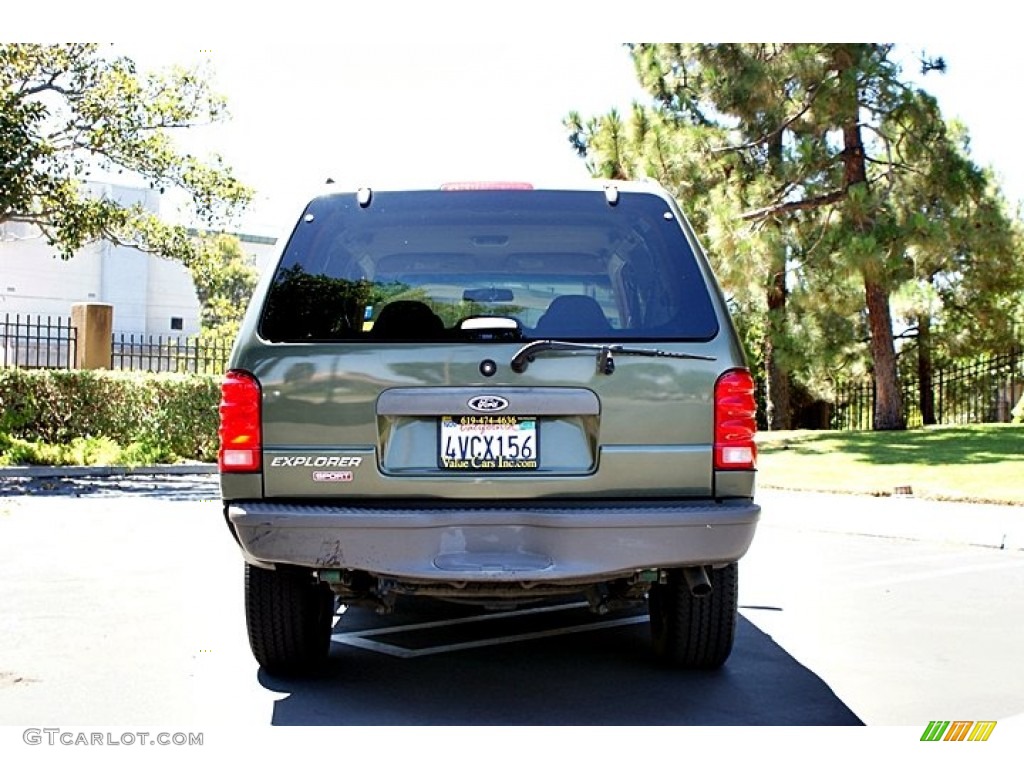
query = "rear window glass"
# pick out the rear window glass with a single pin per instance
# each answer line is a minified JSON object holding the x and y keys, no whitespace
{"x":416,"y":266}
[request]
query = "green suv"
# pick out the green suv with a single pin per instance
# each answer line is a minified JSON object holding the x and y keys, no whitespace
{"x":496,"y":394}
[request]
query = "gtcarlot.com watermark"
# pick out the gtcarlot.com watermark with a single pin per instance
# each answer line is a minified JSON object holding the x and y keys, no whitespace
{"x":59,"y":737}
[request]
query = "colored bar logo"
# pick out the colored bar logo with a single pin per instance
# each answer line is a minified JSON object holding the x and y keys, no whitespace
{"x":958,"y":730}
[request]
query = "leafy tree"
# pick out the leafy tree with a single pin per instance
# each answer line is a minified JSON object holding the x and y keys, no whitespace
{"x":224,"y":277}
{"x":66,"y":112}
{"x":827,"y":166}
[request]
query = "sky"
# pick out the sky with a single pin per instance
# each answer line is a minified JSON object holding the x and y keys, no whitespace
{"x":422,"y":112}
{"x":401,"y":93}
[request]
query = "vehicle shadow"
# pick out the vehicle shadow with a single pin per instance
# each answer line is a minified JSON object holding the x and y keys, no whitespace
{"x":603,"y":676}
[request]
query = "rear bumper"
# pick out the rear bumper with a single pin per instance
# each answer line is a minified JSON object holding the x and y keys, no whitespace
{"x":548,"y":544}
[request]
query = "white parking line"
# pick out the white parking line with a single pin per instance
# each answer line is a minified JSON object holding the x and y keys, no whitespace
{"x":361,"y":639}
{"x":937,"y":574}
{"x":875,"y":565}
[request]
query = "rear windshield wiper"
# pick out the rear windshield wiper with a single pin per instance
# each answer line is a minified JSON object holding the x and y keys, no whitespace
{"x":605,"y":353}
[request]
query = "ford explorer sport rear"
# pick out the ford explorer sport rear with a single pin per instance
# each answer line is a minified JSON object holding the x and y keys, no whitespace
{"x":497,"y":394}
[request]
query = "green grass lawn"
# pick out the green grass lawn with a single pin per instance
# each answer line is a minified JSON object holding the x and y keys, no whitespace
{"x":982,"y":462}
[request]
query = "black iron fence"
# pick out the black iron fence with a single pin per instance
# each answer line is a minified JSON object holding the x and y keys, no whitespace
{"x":178,"y":354}
{"x":983,"y":390}
{"x":976,"y":392}
{"x":38,"y":341}
{"x":35,"y":341}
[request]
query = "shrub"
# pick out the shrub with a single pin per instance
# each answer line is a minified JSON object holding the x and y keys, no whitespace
{"x":83,"y":417}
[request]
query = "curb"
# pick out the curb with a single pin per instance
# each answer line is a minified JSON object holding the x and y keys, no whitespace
{"x":78,"y":471}
{"x":994,"y":526}
{"x":997,"y":526}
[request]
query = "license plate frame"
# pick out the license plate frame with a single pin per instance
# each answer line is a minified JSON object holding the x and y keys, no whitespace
{"x":488,"y":443}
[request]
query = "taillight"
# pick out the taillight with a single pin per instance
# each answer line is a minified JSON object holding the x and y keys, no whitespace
{"x":241,"y":441}
{"x":735,"y":421}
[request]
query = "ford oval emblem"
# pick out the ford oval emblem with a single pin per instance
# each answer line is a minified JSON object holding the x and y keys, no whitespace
{"x":488,"y":403}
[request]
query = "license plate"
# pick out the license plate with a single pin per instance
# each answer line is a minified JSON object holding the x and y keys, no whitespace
{"x":485,"y":443}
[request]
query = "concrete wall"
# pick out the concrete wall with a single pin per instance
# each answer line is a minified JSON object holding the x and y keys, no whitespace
{"x":33,"y":279}
{"x":147,"y":292}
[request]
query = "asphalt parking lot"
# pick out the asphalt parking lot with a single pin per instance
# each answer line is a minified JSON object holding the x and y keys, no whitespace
{"x":123,"y":606}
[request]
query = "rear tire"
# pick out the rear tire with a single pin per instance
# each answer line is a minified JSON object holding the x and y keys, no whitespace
{"x":694,"y":632}
{"x":288,"y":615}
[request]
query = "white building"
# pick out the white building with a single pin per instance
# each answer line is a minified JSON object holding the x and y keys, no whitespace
{"x":150,"y":295}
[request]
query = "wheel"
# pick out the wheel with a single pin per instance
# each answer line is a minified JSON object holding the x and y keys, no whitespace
{"x":694,"y":632}
{"x":288,"y":615}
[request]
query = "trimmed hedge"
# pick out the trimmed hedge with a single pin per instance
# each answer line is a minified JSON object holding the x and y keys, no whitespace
{"x":166,"y":415}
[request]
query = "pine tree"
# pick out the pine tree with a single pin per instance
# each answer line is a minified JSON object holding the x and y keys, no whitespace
{"x":816,"y":155}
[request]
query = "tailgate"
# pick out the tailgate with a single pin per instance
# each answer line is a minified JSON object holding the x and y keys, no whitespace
{"x":408,"y":420}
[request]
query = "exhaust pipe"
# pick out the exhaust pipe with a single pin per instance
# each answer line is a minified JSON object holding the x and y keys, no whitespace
{"x":697,"y":581}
